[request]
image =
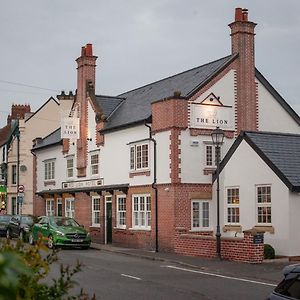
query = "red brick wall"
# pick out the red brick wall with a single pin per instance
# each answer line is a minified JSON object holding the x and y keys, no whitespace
{"x":39,"y":207}
{"x":237,"y":249}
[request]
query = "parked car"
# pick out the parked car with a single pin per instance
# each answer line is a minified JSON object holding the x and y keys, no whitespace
{"x":289,"y":287}
{"x":59,"y":232}
{"x":4,"y":220}
{"x":19,"y":226}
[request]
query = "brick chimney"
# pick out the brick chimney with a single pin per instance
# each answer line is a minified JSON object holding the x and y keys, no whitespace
{"x":242,"y":42}
{"x":18,"y":112}
{"x":86,"y":74}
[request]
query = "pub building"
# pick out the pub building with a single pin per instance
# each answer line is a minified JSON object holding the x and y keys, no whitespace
{"x":140,"y":172}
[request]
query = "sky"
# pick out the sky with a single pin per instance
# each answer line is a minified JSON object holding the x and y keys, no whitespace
{"x":137,"y":42}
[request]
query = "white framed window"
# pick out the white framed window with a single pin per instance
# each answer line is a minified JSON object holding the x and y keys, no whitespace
{"x":200,"y":215}
{"x":210,"y":155}
{"x":141,"y":212}
{"x":139,"y":156}
{"x":121,"y":211}
{"x":96,"y":211}
{"x":49,"y":169}
{"x":263,"y":202}
{"x":70,"y":166}
{"x":94,"y":160}
{"x":70,"y":207}
{"x":233,"y":205}
{"x":50,"y":211}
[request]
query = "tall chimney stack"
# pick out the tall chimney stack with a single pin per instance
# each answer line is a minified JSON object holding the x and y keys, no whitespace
{"x":86,"y":74}
{"x":242,"y":42}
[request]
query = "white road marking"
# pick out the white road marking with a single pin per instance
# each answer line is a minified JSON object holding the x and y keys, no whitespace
{"x":129,"y":276}
{"x":220,"y":276}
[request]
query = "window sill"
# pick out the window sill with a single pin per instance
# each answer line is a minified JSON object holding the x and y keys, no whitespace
{"x":265,"y":228}
{"x":236,"y":228}
{"x":209,"y":170}
{"x":95,"y":226}
{"x":120,"y":228}
{"x":199,"y":230}
{"x":140,"y":229}
{"x":139,"y":173}
{"x":49,"y":182}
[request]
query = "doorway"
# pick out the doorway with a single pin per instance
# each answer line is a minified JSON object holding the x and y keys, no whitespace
{"x":108,"y":219}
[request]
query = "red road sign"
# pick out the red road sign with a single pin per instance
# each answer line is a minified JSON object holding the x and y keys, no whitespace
{"x":21,"y":188}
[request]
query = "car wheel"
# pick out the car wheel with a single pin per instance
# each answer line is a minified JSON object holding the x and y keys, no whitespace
{"x":8,"y":236}
{"x":31,"y":240}
{"x":50,"y":242}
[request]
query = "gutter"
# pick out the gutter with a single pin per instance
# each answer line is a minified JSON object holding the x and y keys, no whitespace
{"x":154,"y":185}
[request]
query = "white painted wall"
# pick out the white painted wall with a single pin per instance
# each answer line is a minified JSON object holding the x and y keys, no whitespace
{"x":294,"y":223}
{"x":245,"y":170}
{"x":272,"y":117}
{"x":224,"y":89}
{"x":115,"y":157}
{"x":193,"y":157}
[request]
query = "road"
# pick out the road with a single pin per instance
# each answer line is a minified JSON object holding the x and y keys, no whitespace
{"x":116,"y":276}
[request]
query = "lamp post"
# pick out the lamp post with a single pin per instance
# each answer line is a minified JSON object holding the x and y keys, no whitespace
{"x":217,"y":136}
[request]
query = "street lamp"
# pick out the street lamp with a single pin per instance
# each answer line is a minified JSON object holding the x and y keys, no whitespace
{"x":217,"y":136}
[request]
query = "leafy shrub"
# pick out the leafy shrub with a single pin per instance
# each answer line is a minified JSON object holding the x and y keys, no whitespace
{"x":23,"y":267}
{"x":269,"y":252}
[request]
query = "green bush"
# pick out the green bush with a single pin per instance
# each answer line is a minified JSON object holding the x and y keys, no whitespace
{"x":269,"y":252}
{"x":23,"y":267}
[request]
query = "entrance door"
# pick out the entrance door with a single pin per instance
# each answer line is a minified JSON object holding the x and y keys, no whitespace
{"x":108,"y":219}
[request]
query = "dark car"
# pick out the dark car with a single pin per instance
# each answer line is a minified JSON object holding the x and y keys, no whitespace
{"x":4,"y":221}
{"x":289,"y":287}
{"x":19,"y":226}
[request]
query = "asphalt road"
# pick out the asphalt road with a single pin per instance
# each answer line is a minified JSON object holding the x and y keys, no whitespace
{"x":117,"y":276}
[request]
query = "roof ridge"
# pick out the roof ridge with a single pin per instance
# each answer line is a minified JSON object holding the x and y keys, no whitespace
{"x":115,"y":97}
{"x":180,"y":73}
{"x":272,"y":133}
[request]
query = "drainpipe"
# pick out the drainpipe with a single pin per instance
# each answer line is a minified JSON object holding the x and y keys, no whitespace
{"x":154,"y":186}
{"x":19,"y":205}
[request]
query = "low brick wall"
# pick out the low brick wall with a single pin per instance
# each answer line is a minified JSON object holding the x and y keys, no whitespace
{"x":236,"y":249}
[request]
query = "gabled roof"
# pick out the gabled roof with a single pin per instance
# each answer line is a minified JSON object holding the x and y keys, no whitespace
{"x":137,"y":105}
{"x":4,"y":134}
{"x":280,"y":151}
{"x":52,"y":139}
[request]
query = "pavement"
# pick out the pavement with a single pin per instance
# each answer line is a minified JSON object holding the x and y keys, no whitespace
{"x":270,"y":271}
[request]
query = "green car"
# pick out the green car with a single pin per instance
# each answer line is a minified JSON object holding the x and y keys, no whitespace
{"x":59,"y":232}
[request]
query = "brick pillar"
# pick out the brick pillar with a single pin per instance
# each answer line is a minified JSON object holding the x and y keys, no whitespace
{"x":86,"y":71}
{"x":242,"y":41}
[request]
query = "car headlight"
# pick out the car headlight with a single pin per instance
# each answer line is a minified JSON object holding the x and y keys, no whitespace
{"x":88,"y":234}
{"x":60,"y":233}
{"x":26,"y":229}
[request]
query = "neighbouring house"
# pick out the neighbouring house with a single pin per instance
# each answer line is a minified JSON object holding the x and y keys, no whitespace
{"x":260,"y":189}
{"x":140,"y":173}
{"x":19,"y":160}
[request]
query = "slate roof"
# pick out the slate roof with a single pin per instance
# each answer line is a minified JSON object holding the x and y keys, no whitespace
{"x":137,"y":106}
{"x":52,"y":139}
{"x":107,"y":104}
{"x":280,"y":151}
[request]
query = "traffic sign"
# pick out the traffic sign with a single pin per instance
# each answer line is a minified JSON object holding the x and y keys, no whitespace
{"x":21,"y":188}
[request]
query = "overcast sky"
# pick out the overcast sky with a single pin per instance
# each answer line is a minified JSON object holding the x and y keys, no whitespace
{"x":137,"y":42}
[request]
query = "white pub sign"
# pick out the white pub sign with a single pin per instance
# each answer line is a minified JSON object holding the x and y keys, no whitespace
{"x":70,"y":128}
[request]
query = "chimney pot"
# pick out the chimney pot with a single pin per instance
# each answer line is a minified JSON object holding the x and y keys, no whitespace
{"x":83,"y":51}
{"x":245,"y":14}
{"x":89,"y":50}
{"x":238,"y":14}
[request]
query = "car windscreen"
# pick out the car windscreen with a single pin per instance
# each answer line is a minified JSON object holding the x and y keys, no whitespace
{"x":27,"y":220}
{"x":5,"y":218}
{"x":290,"y":286}
{"x":68,"y":222}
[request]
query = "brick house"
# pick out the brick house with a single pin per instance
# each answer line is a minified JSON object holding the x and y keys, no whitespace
{"x":140,"y":175}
